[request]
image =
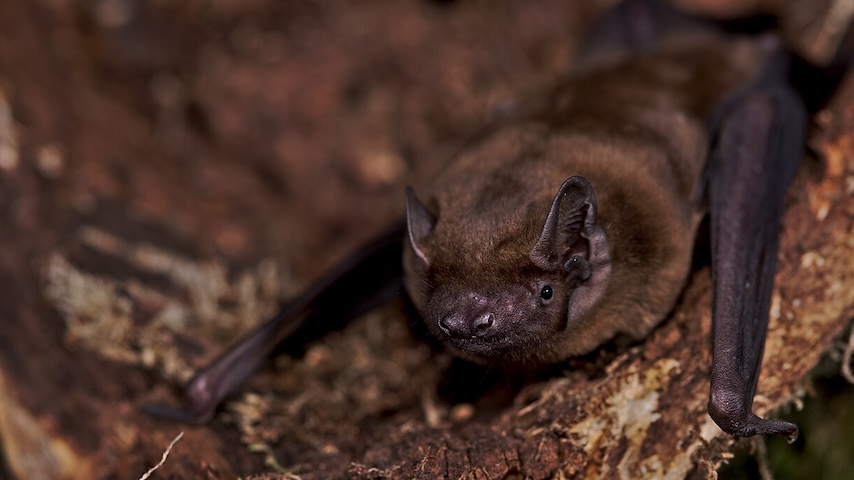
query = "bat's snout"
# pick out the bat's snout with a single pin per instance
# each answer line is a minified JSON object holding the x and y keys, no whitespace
{"x":460,"y":326}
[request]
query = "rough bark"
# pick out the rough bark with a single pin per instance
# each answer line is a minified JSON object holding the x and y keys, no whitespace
{"x":168,"y":170}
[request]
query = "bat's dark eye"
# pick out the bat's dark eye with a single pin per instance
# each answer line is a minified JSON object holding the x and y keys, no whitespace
{"x":546,"y":294}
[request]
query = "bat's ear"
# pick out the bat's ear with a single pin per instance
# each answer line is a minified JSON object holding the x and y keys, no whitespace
{"x":419,"y":224}
{"x":574,"y":244}
{"x":570,"y":233}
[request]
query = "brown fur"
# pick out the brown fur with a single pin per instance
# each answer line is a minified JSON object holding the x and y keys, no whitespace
{"x":636,"y":129}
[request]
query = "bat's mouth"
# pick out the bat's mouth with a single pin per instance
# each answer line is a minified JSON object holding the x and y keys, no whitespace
{"x":495,"y":349}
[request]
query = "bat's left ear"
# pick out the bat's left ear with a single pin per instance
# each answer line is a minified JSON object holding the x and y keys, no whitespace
{"x":572,"y":241}
{"x":569,"y":228}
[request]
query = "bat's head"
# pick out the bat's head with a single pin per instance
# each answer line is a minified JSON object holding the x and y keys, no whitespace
{"x":509,"y":299}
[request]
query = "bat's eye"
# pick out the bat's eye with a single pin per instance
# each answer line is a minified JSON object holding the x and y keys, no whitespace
{"x":546,"y":294}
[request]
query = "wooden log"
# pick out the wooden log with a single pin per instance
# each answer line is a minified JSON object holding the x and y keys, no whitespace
{"x":169,"y":171}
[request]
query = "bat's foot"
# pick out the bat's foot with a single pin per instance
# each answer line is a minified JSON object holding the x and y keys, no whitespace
{"x":741,"y":422}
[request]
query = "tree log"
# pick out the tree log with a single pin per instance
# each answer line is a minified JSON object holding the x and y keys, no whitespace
{"x":170,"y":170}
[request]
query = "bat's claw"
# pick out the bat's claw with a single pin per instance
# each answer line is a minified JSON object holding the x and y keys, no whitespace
{"x":741,"y":422}
{"x":773,"y":426}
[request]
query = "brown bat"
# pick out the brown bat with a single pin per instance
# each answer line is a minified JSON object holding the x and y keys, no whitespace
{"x":575,"y":221}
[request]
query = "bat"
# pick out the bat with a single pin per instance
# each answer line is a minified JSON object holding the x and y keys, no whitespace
{"x":575,"y":220}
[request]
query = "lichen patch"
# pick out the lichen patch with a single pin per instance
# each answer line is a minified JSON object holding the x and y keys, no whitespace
{"x":133,"y":322}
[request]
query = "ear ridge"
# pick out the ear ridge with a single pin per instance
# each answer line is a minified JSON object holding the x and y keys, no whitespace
{"x":572,"y":212}
{"x":419,"y":223}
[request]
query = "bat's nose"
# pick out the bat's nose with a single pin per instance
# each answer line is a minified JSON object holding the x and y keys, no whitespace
{"x":457,"y":325}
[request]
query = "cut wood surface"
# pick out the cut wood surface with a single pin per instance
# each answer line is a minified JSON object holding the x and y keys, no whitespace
{"x":170,"y":170}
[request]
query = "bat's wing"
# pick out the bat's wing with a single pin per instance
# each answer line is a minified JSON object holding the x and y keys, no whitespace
{"x":758,"y":145}
{"x":758,"y":141}
{"x":632,"y":27}
{"x":369,"y":277}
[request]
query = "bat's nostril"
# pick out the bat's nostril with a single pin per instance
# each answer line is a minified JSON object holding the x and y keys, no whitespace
{"x":483,"y":324}
{"x":454,"y":326}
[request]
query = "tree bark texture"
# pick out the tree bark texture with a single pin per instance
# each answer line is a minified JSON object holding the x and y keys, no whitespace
{"x":170,"y":170}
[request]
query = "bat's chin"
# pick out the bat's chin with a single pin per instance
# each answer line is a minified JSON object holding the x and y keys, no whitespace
{"x":492,"y":351}
{"x":482,"y":354}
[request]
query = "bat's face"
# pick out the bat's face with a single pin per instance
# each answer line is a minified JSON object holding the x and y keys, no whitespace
{"x":508,"y":299}
{"x":505,"y":320}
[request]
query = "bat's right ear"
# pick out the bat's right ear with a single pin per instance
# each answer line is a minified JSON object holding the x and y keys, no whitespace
{"x":419,"y":224}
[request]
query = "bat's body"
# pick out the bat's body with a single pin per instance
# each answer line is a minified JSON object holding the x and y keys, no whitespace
{"x":641,"y":144}
{"x":576,"y":220}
